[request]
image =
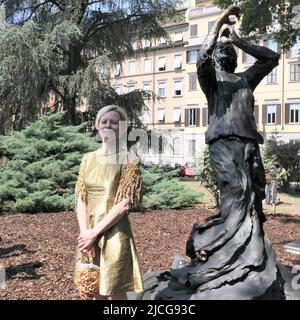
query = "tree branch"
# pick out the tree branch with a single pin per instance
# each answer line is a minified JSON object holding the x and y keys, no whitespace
{"x":97,"y":28}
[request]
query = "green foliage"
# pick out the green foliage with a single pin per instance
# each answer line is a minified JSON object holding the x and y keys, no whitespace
{"x":272,"y":14}
{"x":163,"y":190}
{"x":68,"y":49}
{"x":206,"y":175}
{"x":285,"y":153}
{"x":274,"y":172}
{"x":43,"y":167}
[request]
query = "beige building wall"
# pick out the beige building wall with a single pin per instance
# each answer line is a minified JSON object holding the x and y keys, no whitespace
{"x":277,"y":98}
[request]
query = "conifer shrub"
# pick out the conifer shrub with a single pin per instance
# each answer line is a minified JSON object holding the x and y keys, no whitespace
{"x":163,"y":190}
{"x":43,"y":165}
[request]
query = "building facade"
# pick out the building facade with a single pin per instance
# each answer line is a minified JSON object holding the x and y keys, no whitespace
{"x":178,"y":111}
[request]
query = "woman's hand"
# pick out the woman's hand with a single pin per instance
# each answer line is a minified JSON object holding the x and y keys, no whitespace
{"x":86,"y":239}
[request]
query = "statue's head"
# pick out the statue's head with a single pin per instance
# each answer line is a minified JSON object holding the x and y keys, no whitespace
{"x":224,"y":57}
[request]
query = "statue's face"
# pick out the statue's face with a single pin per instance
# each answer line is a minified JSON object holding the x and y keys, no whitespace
{"x":224,"y":57}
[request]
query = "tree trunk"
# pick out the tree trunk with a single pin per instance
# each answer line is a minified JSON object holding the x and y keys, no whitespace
{"x":69,"y":102}
{"x":69,"y":106}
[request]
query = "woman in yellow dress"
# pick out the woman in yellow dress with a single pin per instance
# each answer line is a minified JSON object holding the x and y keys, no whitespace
{"x":104,"y":225}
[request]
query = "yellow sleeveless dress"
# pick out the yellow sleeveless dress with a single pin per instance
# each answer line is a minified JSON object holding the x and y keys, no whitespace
{"x":115,"y":250}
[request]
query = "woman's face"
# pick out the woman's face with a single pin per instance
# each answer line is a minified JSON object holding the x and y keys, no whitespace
{"x":109,"y":126}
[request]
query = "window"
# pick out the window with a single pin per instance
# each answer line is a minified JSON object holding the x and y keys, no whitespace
{"x":192,"y":81}
{"x":271,"y":113}
{"x":162,"y":63}
{"x":294,"y":112}
{"x":117,"y":70}
{"x":178,"y":36}
{"x":176,"y":146}
{"x":162,"y":89}
{"x":192,"y":117}
{"x":272,"y":76}
{"x":210,"y":25}
{"x":146,"y":116}
{"x":146,"y":43}
{"x":176,"y":114}
{"x":177,"y":87}
{"x":295,"y":50}
{"x":117,"y":89}
{"x":131,"y":67}
{"x":193,"y":30}
{"x":192,"y":56}
{"x":178,"y":62}
{"x":161,"y":115}
{"x":147,"y":65}
{"x":295,"y":72}
{"x":105,"y":6}
{"x":271,"y":44}
{"x":147,"y":87}
{"x":191,"y":147}
{"x":130,"y":87}
{"x":162,"y":40}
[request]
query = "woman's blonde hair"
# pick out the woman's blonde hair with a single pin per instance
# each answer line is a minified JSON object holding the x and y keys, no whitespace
{"x":111,"y":107}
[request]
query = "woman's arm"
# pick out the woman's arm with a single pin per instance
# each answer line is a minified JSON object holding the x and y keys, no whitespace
{"x":86,"y":239}
{"x":81,"y":214}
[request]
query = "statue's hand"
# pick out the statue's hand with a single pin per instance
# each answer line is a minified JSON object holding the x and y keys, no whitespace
{"x":230,"y":11}
{"x":229,"y":36}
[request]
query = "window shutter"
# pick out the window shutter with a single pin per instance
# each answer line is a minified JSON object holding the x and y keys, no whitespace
{"x":204,"y":117}
{"x":256,"y":113}
{"x":193,"y":30}
{"x":197,"y":117}
{"x":278,"y":113}
{"x":278,"y":47}
{"x":186,"y":117}
{"x":264,"y":114}
{"x":192,"y":81}
{"x":287,"y":113}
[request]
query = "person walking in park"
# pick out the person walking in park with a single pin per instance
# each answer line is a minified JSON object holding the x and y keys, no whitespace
{"x":275,"y":175}
{"x":105,"y":231}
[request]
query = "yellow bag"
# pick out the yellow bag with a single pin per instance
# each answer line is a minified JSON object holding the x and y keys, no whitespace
{"x":87,"y":277}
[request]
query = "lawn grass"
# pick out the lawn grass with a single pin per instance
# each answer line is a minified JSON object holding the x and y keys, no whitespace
{"x":289,"y":203}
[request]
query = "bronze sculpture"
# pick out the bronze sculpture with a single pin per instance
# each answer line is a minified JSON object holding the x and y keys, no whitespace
{"x":230,"y":256}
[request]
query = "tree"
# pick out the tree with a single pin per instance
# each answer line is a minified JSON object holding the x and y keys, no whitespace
{"x":207,"y":176}
{"x":280,"y":19}
{"x":286,"y":154}
{"x":42,"y":166}
{"x":68,"y":48}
